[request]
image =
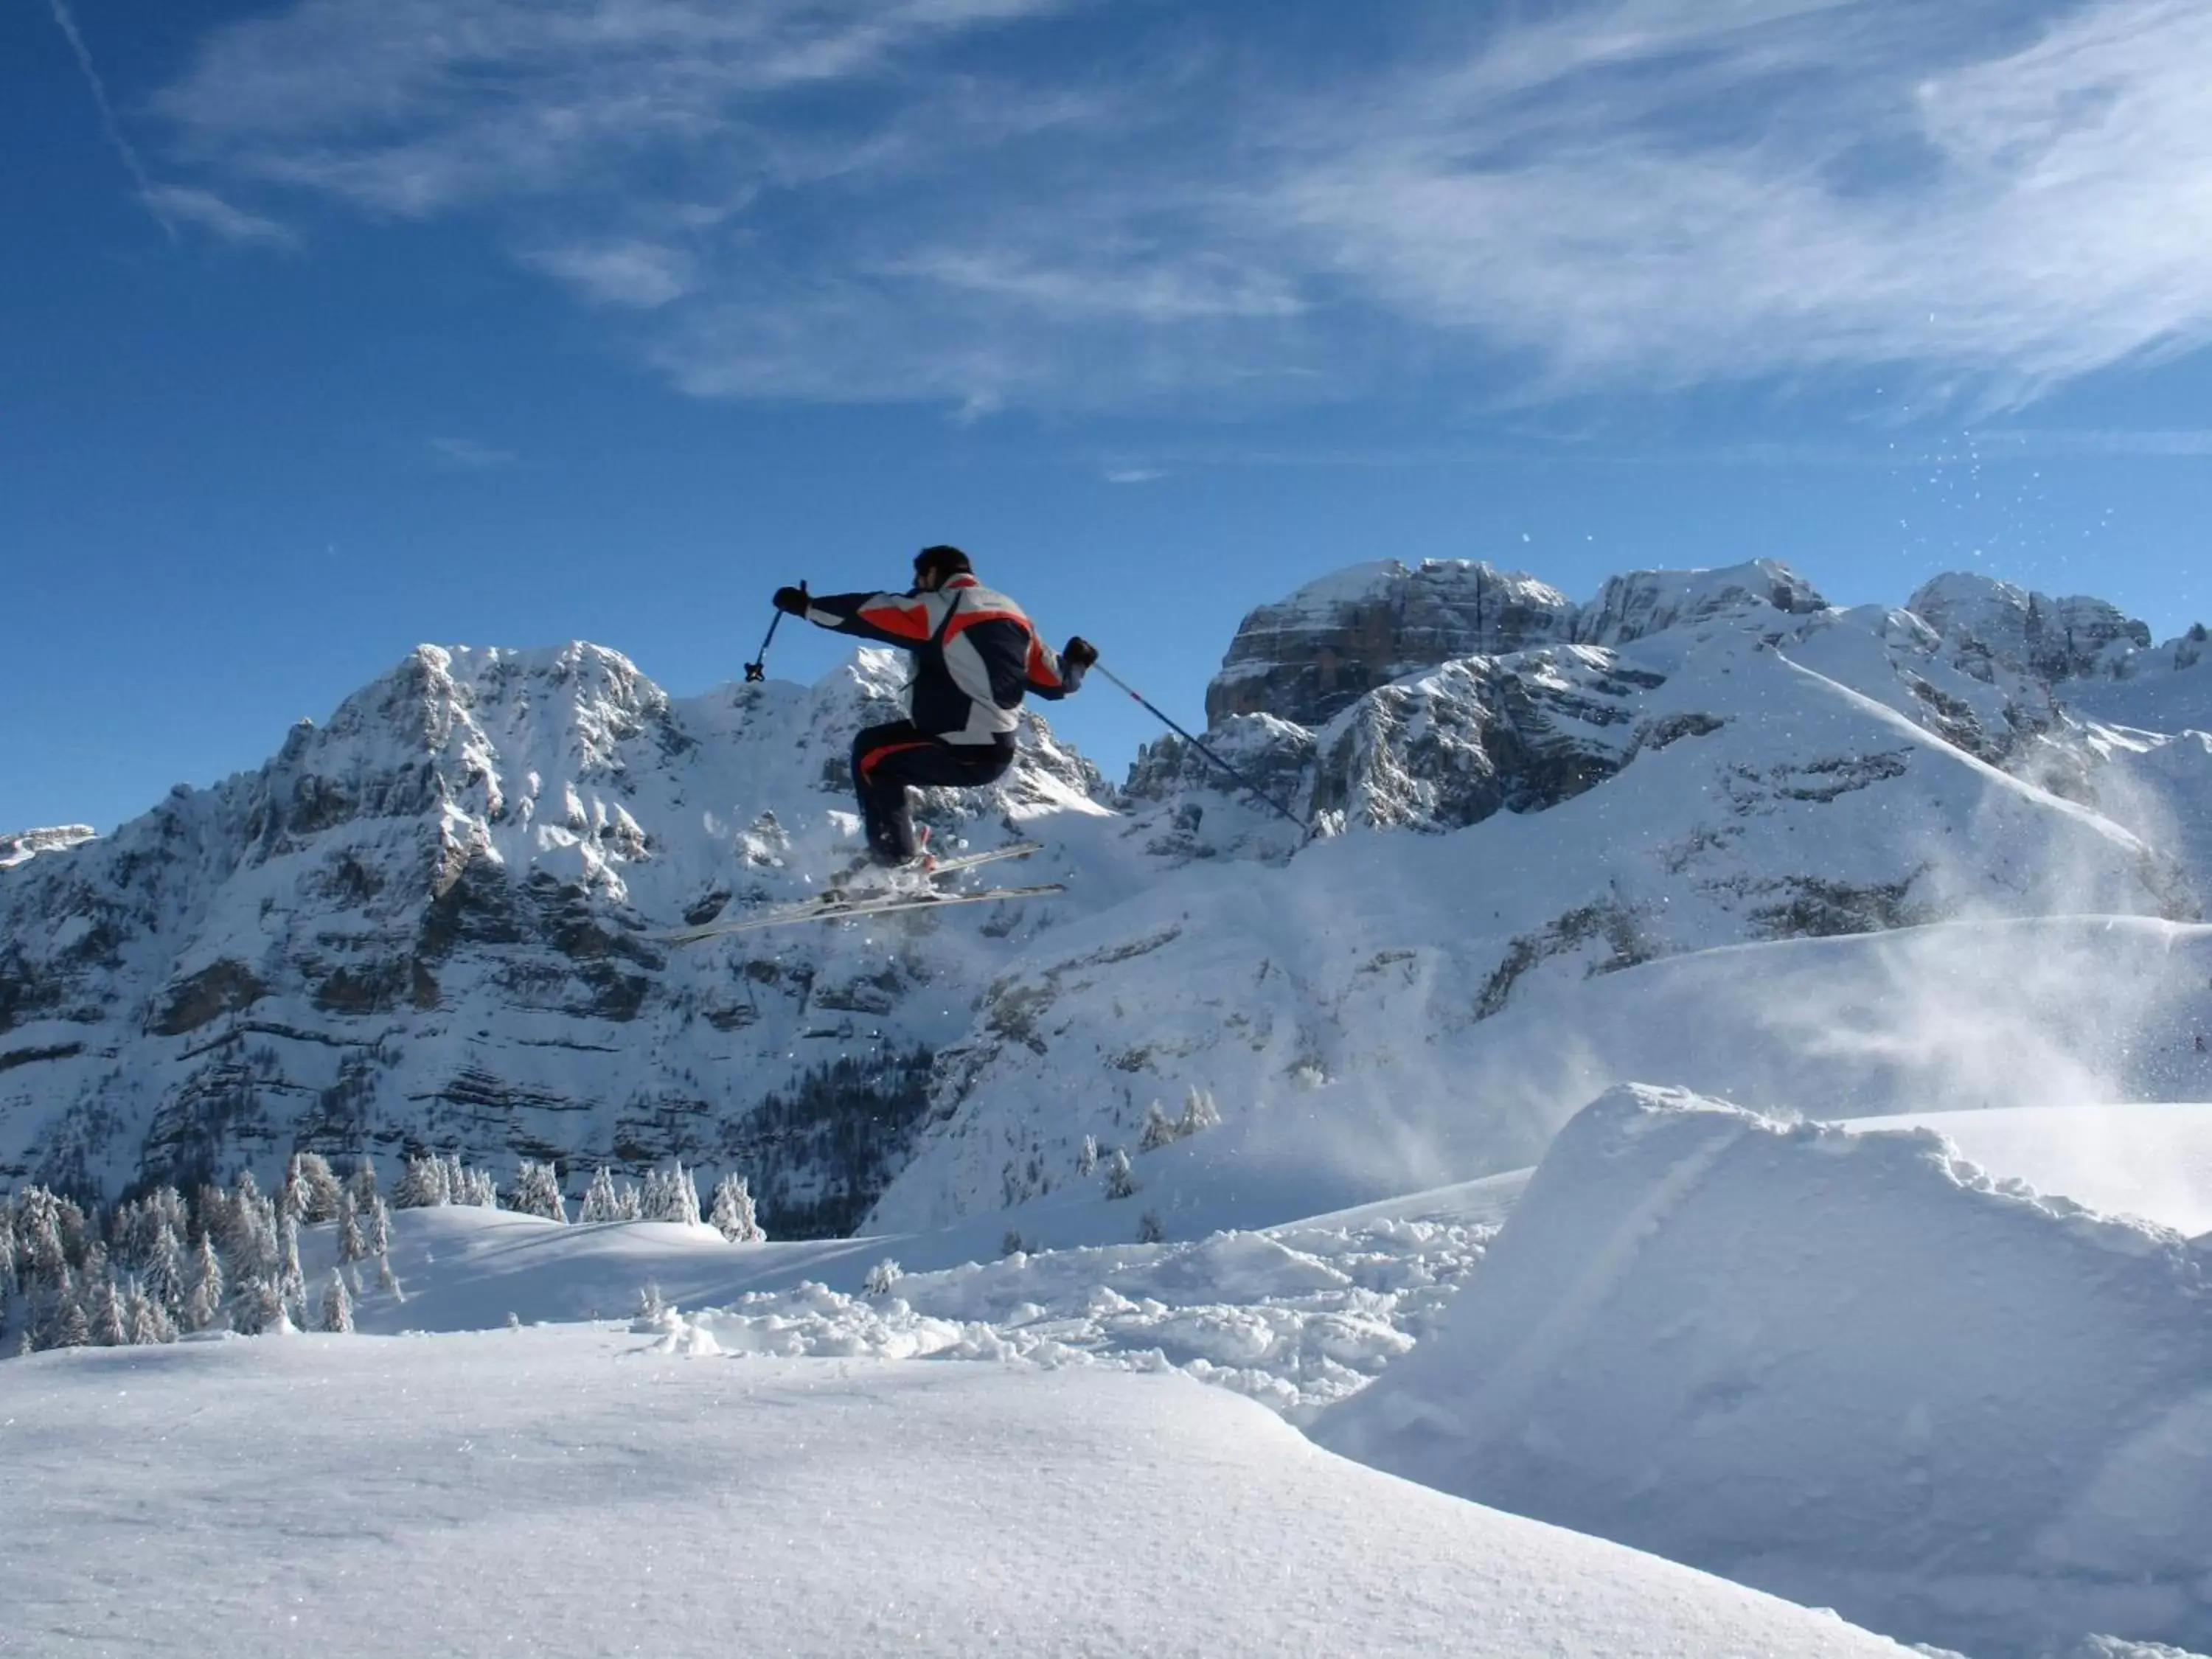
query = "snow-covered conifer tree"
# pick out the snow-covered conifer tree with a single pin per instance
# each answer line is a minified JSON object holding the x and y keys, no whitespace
{"x":1149,"y":1229}
{"x":255,"y":1306}
{"x":337,"y":1306}
{"x":166,"y":1277}
{"x":1159,"y":1130}
{"x":424,"y":1185}
{"x":376,"y":1231}
{"x":1198,"y":1112}
{"x":1087,"y":1157}
{"x":291,"y":1282}
{"x":362,"y":1183}
{"x":734,"y":1216}
{"x":881,"y":1277}
{"x":387,"y":1280}
{"x":37,"y":1229}
{"x":66,"y":1324}
{"x":314,"y":1190}
{"x":203,"y":1298}
{"x":536,"y":1191}
{"x":671,"y":1195}
{"x":106,"y":1322}
{"x":600,"y":1203}
{"x":629,"y":1203}
{"x":1120,"y":1181}
{"x":149,"y":1321}
{"x":352,"y":1247}
{"x":238,"y":1225}
{"x":10,"y":1279}
{"x":477,"y":1188}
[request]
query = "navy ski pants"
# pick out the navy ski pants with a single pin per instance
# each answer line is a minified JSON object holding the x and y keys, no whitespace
{"x":887,"y":759}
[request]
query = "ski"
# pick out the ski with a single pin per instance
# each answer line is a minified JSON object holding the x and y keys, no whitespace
{"x":829,"y":908}
{"x":1019,"y":849}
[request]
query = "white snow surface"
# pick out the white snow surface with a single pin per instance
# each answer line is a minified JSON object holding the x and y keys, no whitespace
{"x":1852,"y":1369}
{"x":576,"y":1491}
{"x":2151,"y":1159}
{"x":1295,"y":1318}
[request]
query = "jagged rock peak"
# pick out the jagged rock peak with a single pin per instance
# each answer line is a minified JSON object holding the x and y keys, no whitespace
{"x":1307,"y":657}
{"x":1643,"y":602}
{"x":27,"y":844}
{"x":2052,"y":639}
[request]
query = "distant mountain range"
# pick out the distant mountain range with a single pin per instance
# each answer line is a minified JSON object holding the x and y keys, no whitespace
{"x":428,"y":922}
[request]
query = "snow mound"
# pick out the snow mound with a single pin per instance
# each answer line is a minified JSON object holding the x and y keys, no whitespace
{"x":2151,"y":1159}
{"x":570,"y":1492}
{"x":1851,"y":1369}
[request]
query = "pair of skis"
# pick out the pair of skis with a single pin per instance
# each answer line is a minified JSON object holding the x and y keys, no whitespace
{"x":840,"y":906}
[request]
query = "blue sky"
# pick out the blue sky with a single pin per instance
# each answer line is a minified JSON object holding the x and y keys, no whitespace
{"x":330,"y":327}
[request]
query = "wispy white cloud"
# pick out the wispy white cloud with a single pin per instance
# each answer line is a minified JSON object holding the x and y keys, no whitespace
{"x":640,"y":275}
{"x":2185,"y":443}
{"x":866,"y":200}
{"x":2022,"y":216}
{"x":471,"y":456}
{"x":184,"y":205}
{"x":1133,"y":475}
{"x":122,"y":146}
{"x":169,"y":205}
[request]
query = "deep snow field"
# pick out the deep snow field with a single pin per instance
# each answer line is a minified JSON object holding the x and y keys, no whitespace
{"x":1847,"y":1367}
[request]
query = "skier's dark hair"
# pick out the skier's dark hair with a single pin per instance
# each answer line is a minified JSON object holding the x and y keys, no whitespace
{"x":943,"y":561}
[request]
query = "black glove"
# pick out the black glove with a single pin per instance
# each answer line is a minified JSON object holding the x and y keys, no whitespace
{"x":1080,"y":652}
{"x":792,"y":601}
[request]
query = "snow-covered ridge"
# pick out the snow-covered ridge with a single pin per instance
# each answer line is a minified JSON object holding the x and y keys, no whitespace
{"x":1307,"y":657}
{"x":27,"y":844}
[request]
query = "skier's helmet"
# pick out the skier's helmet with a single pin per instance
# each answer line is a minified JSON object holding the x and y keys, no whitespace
{"x":940,"y":563}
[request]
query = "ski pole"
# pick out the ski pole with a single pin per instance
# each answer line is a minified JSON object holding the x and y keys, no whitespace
{"x":758,"y":668}
{"x":1145,"y":703}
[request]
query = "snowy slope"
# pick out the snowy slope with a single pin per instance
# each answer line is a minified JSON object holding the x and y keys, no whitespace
{"x":1849,"y":1368}
{"x":572,"y":1491}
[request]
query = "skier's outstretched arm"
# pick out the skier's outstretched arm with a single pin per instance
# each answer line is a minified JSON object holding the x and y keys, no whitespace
{"x":901,"y":619}
{"x":1057,"y":674}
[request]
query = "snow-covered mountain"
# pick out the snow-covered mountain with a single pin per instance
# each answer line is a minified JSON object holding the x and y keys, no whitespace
{"x":428,"y":922}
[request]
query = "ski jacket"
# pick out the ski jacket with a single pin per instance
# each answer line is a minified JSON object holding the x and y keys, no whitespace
{"x":975,"y":654}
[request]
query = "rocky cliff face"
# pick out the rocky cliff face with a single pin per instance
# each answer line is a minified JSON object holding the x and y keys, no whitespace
{"x":1991,"y":625}
{"x":1307,"y":657}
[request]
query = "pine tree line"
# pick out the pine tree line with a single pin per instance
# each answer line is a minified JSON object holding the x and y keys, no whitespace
{"x":164,"y":1266}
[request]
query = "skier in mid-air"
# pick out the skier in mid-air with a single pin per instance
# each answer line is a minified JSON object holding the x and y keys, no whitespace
{"x":975,"y":657}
